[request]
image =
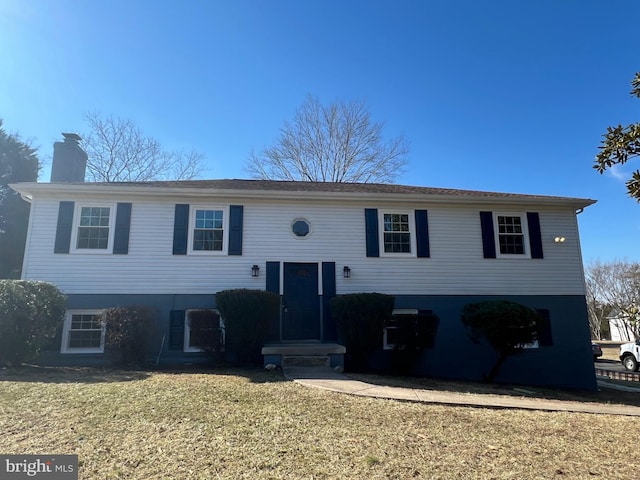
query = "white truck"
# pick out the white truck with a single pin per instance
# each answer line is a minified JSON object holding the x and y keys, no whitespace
{"x":630,"y":355}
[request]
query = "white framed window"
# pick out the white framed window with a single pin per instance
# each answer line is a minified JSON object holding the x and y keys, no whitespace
{"x":392,"y":334}
{"x":398,"y":233}
{"x":83,"y":332}
{"x":208,"y":227}
{"x":203,"y":330}
{"x":512,"y":235}
{"x":93,"y":227}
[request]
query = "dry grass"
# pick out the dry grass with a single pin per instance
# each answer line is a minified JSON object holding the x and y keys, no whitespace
{"x":252,"y":424}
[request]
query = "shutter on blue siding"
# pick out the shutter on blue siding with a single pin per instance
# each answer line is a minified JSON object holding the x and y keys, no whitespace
{"x":422,"y":234}
{"x":176,"y":330}
{"x":488,"y":236}
{"x":273,"y":277}
{"x":535,"y":235}
{"x":63,"y":229}
{"x":123,"y":225}
{"x":235,"y":229}
{"x":180,"y":229}
{"x":545,"y":339}
{"x":329,"y":330}
{"x":371,"y":231}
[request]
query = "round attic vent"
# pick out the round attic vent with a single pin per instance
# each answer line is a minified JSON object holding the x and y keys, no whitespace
{"x":300,"y":227}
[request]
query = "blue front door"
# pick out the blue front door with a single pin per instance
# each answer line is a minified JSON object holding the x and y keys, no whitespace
{"x":301,"y":302}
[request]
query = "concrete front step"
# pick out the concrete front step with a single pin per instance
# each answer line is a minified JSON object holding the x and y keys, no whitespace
{"x":305,"y":361}
{"x":304,"y":354}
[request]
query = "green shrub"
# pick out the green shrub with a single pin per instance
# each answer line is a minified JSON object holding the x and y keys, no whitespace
{"x":128,"y":332}
{"x":31,"y":313}
{"x":247,"y":316}
{"x":360,"y":319}
{"x":506,"y":326}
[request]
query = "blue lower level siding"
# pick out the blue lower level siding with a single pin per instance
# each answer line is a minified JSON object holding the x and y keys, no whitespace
{"x":567,"y":363}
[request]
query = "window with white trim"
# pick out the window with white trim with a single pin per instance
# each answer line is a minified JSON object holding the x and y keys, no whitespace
{"x":398,"y":233}
{"x":93,"y":228}
{"x":83,"y":332}
{"x":207,"y":229}
{"x":203,"y":331}
{"x":512,"y":235}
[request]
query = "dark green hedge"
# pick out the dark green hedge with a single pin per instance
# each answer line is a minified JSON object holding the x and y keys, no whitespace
{"x":30,"y":315}
{"x":247,"y":316}
{"x":360,"y":319}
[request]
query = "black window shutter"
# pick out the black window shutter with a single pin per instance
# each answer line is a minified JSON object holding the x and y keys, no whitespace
{"x":63,"y":229}
{"x":176,"y":330}
{"x":273,"y":277}
{"x":488,"y":236}
{"x":235,"y":229}
{"x":123,"y":225}
{"x":329,"y":330}
{"x":535,"y":235}
{"x":371,"y":231}
{"x":180,"y":229}
{"x":422,"y":234}
{"x":545,"y":338}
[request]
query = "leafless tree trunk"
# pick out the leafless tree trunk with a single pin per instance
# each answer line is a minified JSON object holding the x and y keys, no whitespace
{"x":335,"y":143}
{"x":614,"y":289}
{"x":119,"y":152}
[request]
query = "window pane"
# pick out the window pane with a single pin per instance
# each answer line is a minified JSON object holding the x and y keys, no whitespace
{"x":94,"y":217}
{"x":85,"y":339}
{"x":93,"y":237}
{"x":509,"y":225}
{"x":397,"y":243}
{"x":510,"y":235}
{"x":397,"y":236}
{"x":207,"y":240}
{"x":85,"y":331}
{"x":511,"y":244}
{"x":93,"y":231}
{"x":208,"y":232}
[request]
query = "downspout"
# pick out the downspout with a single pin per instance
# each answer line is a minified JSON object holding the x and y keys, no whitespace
{"x":27,"y":240}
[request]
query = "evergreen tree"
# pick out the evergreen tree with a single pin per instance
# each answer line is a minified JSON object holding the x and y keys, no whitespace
{"x":18,"y":163}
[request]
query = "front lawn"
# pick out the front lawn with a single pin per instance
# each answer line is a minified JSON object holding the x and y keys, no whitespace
{"x":252,"y":424}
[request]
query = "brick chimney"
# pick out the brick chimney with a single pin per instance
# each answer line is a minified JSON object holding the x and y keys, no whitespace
{"x":69,"y":160}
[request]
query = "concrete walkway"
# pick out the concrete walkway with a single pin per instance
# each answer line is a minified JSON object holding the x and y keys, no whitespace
{"x":327,"y":379}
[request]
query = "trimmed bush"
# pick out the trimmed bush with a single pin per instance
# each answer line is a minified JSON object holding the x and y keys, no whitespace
{"x":360,"y":319}
{"x":128,"y":332}
{"x":31,"y":313}
{"x":247,"y":316}
{"x":506,"y":326}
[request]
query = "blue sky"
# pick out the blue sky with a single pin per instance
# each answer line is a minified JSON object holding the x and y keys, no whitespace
{"x":496,"y":95}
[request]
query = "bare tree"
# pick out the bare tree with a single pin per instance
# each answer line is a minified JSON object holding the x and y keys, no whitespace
{"x":614,"y":288}
{"x":119,"y":152}
{"x":335,"y":143}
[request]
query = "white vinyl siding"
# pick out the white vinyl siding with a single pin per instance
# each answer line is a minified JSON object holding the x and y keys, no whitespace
{"x":456,"y":266}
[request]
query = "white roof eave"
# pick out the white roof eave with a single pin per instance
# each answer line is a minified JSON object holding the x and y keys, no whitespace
{"x":28,"y":190}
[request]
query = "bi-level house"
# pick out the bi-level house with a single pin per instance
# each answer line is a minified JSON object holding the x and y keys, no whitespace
{"x":173,"y":245}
